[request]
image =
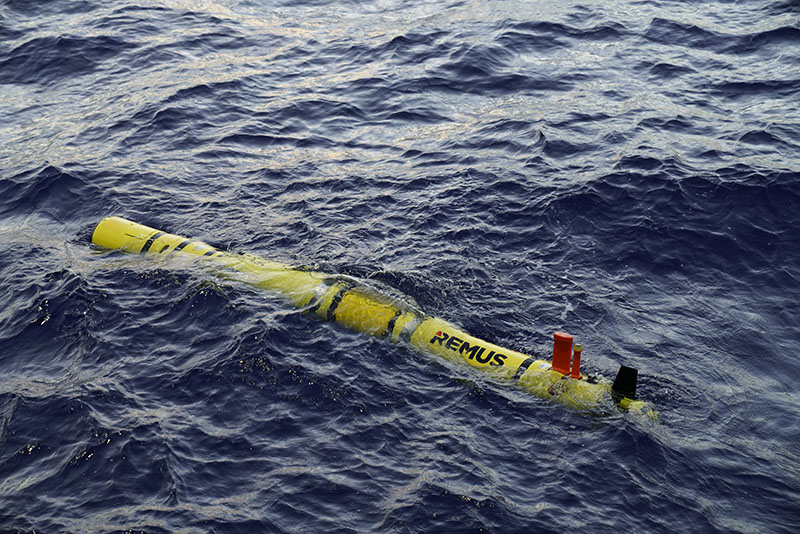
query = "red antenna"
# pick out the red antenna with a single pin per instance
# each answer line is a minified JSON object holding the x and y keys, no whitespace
{"x":562,"y":350}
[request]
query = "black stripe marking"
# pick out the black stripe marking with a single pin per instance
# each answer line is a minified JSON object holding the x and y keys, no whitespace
{"x":392,"y":321}
{"x":337,"y":298}
{"x":522,"y":368}
{"x":181,"y":245}
{"x":150,"y":242}
{"x":209,"y":253}
{"x":165,"y":247}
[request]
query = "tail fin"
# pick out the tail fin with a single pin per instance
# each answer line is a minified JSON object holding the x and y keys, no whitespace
{"x":625,"y":383}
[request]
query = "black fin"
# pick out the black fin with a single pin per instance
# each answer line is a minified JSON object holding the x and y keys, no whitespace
{"x":625,"y":383}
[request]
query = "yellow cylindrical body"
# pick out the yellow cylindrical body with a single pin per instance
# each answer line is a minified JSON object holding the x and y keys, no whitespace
{"x":363,"y":308}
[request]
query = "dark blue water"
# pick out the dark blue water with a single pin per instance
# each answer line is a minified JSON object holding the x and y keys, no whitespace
{"x":627,"y":171}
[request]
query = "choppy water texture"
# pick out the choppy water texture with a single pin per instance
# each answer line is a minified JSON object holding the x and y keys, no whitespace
{"x":623,"y":170}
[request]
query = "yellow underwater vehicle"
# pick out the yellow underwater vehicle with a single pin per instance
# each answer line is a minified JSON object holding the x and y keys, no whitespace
{"x":365,"y":308}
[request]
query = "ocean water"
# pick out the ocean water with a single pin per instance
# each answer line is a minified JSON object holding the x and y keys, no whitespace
{"x":627,"y":171}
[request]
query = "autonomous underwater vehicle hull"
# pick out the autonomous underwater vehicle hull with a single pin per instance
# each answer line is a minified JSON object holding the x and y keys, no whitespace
{"x":362,"y":307}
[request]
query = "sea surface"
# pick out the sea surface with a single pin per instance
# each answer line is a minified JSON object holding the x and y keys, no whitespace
{"x":626,"y":171}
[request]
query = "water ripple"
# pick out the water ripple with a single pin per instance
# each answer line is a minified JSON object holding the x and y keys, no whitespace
{"x":625,"y":170}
